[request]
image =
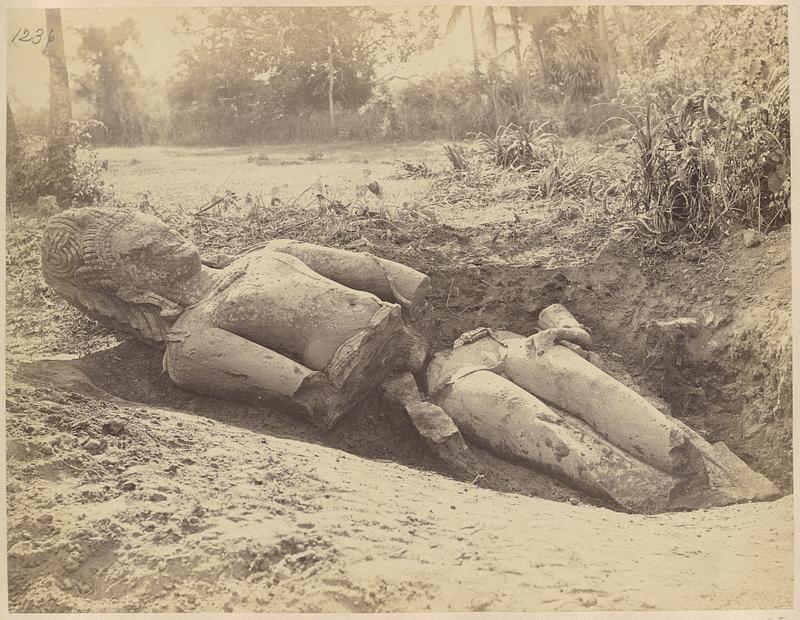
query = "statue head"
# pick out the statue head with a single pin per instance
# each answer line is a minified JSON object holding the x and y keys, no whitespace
{"x":124,"y":268}
{"x":110,"y":249}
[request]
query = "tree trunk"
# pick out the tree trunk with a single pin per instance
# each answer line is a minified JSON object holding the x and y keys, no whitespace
{"x":475,"y":58}
{"x":608,"y":67}
{"x":514,"y":14}
{"x":59,"y":154}
{"x":12,"y":142}
{"x":12,"y":137}
{"x":493,"y":66}
{"x":330,"y":70}
{"x":625,"y":52}
{"x":60,"y":106}
{"x":543,"y":73}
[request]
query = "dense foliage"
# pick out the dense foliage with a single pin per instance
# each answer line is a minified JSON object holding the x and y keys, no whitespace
{"x":257,"y":71}
{"x":35,"y":169}
{"x":112,"y":84}
{"x":696,"y":96}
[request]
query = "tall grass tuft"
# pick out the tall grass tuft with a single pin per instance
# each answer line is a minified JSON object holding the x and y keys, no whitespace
{"x":518,"y":148}
{"x":702,"y":166}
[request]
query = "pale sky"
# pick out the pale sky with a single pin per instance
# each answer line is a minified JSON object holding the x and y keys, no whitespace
{"x":27,"y":67}
{"x":159,"y":47}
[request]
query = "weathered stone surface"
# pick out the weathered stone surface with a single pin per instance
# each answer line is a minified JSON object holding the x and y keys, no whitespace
{"x":730,"y":480}
{"x":388,"y":280}
{"x":435,"y":426}
{"x":592,"y":430}
{"x":314,"y":330}
{"x":667,"y":345}
{"x":494,"y":412}
{"x":266,"y":327}
{"x":751,"y":238}
{"x":556,"y":316}
{"x":611,"y":409}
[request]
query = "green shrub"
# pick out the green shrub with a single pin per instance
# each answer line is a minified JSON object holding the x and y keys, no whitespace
{"x":69,"y":171}
{"x":704,"y":165}
{"x":755,"y":149}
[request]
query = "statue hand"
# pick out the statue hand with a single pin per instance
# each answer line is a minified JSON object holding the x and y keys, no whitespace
{"x":541,"y":341}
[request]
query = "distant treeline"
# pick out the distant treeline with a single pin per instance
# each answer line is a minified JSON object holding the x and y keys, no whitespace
{"x":259,"y":75}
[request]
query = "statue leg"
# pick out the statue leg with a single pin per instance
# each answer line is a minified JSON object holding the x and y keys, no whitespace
{"x":595,"y":432}
{"x":503,"y":417}
{"x":616,"y":412}
{"x":213,"y":361}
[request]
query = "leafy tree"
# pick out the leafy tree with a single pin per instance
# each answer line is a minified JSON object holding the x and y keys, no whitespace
{"x":539,"y":20}
{"x":110,"y":81}
{"x":255,"y":66}
{"x":63,"y":164}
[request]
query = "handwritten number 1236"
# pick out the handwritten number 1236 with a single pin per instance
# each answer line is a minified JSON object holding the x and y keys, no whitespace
{"x":24,"y":35}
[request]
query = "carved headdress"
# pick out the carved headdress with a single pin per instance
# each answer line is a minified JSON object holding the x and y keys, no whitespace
{"x":104,"y":260}
{"x":75,"y":248}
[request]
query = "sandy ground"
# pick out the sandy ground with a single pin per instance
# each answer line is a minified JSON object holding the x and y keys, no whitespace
{"x":180,"y":513}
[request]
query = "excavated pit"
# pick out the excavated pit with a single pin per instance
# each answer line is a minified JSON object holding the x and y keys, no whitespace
{"x":731,"y":383}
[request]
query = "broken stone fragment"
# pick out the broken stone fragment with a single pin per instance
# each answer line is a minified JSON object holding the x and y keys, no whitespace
{"x":730,"y":480}
{"x":95,"y":446}
{"x":435,"y":427}
{"x":21,"y":548}
{"x":666,"y":342}
{"x":113,"y":427}
{"x":690,"y":327}
{"x":751,"y":238}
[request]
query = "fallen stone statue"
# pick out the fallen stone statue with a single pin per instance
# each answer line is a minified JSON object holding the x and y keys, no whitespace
{"x":290,"y":324}
{"x":314,"y":330}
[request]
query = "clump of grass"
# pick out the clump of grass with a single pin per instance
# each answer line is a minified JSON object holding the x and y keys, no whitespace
{"x":518,"y":148}
{"x":457,"y":156}
{"x":259,"y":160}
{"x":702,"y":166}
{"x":674,"y":172}
{"x":416,"y":170}
{"x":521,"y":164}
{"x":585,"y":176}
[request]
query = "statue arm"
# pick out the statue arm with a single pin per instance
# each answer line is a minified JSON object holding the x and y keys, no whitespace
{"x":386,"y":279}
{"x":214,"y":361}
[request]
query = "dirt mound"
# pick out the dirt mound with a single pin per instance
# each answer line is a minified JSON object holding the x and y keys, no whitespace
{"x":121,"y":508}
{"x":132,"y":373}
